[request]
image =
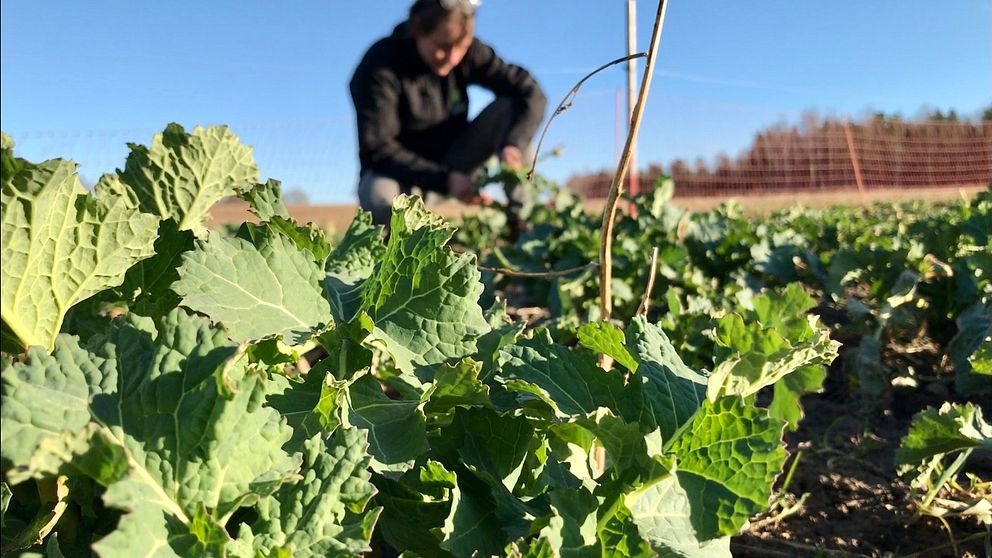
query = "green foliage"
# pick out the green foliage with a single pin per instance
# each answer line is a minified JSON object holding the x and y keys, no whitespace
{"x":182,"y":175}
{"x":778,"y":342}
{"x":934,"y":434}
{"x":970,"y":349}
{"x":896,"y":274}
{"x":60,"y":245}
{"x":925,"y":455}
{"x":351,"y":262}
{"x":146,"y":395}
{"x":265,"y":200}
{"x":608,"y":339}
{"x":257,"y":287}
{"x":326,"y":512}
{"x":171,"y":396}
{"x":423,"y":298}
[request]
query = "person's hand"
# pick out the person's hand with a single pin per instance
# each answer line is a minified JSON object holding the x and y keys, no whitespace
{"x":461,"y":186}
{"x":512,"y":157}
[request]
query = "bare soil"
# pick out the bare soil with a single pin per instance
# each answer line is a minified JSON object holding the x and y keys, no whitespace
{"x":856,"y":504}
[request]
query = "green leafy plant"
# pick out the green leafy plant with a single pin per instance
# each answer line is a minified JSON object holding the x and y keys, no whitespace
{"x":184,"y":422}
{"x":900,"y":276}
{"x":933,"y":457}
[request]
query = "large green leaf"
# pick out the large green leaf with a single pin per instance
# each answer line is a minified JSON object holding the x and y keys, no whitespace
{"x":359,"y":250}
{"x":147,"y":285}
{"x":256,"y":290}
{"x":974,"y":330}
{"x":752,"y":356}
{"x":350,"y":263}
{"x":570,"y":457}
{"x":47,"y":397}
{"x":662,"y":392}
{"x":787,"y":391}
{"x":571,"y":531}
{"x":619,"y":535}
{"x":145,"y":532}
{"x":307,"y":238}
{"x":473,"y":527}
{"x":671,"y":390}
{"x":492,"y":444}
{"x":423,"y":298}
{"x":324,"y":513}
{"x":60,"y":246}
{"x":504,"y":333}
{"x":786,"y":311}
{"x":146,"y":289}
{"x":495,"y":449}
{"x":347,"y":357}
{"x":183,"y":175}
{"x":397,"y":429}
{"x":415,"y":508}
{"x":663,"y":513}
{"x":454,"y":386}
{"x":626,"y":446}
{"x":265,"y":201}
{"x":160,"y":412}
{"x":934,"y":434}
{"x":727,"y":459}
{"x":606,"y":338}
{"x":570,"y":383}
{"x":314,"y":404}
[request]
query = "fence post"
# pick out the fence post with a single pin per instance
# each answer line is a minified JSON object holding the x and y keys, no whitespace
{"x":635,"y":182}
{"x":854,"y":160}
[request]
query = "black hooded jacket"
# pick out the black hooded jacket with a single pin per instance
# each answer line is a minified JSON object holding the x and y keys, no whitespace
{"x":408,"y":116}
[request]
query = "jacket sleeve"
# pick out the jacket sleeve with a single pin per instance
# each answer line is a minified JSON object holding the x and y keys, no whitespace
{"x":375,"y":93}
{"x":508,"y":80}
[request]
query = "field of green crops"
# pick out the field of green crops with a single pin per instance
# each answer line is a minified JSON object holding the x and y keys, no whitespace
{"x":453,"y":391}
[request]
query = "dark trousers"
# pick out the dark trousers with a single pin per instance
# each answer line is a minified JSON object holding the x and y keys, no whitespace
{"x":482,"y":138}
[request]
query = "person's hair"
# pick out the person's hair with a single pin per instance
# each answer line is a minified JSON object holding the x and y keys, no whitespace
{"x":426,"y":15}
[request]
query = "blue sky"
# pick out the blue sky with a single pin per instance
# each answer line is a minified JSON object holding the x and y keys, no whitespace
{"x":80,"y":79}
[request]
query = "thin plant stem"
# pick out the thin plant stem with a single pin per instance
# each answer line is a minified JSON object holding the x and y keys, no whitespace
{"x":792,"y":471}
{"x":778,"y":517}
{"x":566,"y":103}
{"x":642,"y":309}
{"x":538,"y":274}
{"x":616,"y":188}
{"x":948,"y":473}
{"x":950,"y":535}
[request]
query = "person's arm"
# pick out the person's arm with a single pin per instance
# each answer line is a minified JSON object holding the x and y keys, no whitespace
{"x":509,"y":80}
{"x":375,"y":93}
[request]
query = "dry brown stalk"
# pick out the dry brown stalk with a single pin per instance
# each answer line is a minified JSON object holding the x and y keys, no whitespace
{"x":566,"y":103}
{"x":645,"y":305}
{"x":538,"y":274}
{"x":616,"y":187}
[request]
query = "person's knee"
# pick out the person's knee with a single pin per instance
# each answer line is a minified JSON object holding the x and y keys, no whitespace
{"x":376,"y":194}
{"x":501,"y":109}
